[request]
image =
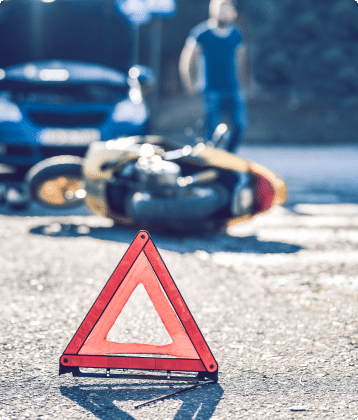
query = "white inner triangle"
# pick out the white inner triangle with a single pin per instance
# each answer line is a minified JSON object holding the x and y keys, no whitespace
{"x":139,"y":322}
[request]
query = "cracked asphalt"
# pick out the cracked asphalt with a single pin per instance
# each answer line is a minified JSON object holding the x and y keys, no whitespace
{"x":276,"y":299}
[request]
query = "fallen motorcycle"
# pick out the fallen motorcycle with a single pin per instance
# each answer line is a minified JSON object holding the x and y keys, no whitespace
{"x":151,"y":181}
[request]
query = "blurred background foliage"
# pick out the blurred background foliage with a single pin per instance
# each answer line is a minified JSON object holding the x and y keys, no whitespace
{"x":306,"y":48}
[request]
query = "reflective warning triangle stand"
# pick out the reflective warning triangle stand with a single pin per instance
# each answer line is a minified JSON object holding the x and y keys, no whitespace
{"x":188,"y":352}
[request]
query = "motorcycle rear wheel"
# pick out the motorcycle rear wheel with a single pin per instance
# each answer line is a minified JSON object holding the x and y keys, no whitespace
{"x":57,"y":182}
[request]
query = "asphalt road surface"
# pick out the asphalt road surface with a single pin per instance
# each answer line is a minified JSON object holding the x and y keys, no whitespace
{"x":276,"y":299}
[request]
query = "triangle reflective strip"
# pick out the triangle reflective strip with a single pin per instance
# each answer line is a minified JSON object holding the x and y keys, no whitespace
{"x":107,"y":293}
{"x":140,"y":273}
{"x":141,"y":264}
{"x":180,"y":307}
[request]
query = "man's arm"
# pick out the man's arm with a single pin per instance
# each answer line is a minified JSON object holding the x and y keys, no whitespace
{"x":189,"y":64}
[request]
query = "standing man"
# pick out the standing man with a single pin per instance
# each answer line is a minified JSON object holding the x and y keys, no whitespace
{"x":214,"y":62}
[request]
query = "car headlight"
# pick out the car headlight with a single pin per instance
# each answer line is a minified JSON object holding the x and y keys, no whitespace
{"x":127,"y":111}
{"x":9,"y":111}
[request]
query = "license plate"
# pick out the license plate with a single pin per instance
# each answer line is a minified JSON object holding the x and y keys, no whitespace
{"x":58,"y":137}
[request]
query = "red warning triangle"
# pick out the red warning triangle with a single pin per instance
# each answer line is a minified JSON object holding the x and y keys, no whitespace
{"x":188,"y":351}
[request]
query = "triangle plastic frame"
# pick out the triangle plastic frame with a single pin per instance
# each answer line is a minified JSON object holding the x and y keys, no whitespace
{"x":189,"y":354}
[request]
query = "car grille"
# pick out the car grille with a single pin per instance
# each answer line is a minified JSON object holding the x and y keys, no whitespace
{"x":51,"y":119}
{"x":48,"y":151}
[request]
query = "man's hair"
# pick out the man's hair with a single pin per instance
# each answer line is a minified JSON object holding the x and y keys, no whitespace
{"x":216,"y":3}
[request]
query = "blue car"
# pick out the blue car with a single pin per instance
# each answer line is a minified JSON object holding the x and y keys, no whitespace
{"x":50,"y":108}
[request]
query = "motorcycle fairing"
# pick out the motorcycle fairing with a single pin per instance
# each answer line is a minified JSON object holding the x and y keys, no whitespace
{"x":268,"y":188}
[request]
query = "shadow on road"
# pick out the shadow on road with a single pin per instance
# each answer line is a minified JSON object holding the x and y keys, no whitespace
{"x":35,"y":210}
{"x":182,"y":243}
{"x":104,"y":400}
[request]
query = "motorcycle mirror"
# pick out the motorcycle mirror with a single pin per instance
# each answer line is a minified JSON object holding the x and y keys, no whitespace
{"x":220,"y":134}
{"x":220,"y":130}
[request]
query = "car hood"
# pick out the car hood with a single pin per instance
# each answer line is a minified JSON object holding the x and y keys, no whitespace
{"x":60,"y":72}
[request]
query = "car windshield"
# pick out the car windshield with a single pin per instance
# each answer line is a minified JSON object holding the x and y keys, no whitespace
{"x":88,"y":31}
{"x":68,"y":94}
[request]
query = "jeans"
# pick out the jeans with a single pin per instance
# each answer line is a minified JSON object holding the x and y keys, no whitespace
{"x":232,"y":104}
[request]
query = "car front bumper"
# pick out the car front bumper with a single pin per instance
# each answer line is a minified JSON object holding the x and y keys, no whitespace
{"x":21,"y":145}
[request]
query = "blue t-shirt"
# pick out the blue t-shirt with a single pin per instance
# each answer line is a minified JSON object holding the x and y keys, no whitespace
{"x":219,"y":56}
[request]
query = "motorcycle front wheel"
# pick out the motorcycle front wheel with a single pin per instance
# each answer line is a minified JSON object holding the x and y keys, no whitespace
{"x":57,"y":182}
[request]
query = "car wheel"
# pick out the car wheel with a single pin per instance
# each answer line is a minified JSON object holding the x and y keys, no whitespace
{"x":57,"y":182}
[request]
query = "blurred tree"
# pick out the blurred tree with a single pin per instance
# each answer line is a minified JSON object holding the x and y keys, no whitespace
{"x":308,"y":46}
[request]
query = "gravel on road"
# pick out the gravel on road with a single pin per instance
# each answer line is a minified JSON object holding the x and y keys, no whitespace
{"x":276,"y":299}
